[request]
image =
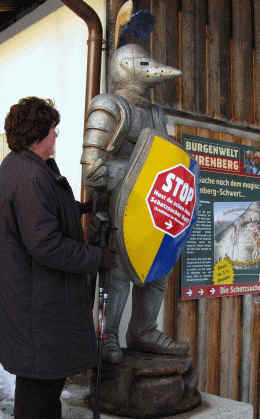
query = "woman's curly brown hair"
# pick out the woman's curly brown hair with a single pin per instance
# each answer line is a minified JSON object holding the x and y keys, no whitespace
{"x":28,"y":121}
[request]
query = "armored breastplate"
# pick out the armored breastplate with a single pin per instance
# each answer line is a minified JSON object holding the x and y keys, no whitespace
{"x":151,"y":116}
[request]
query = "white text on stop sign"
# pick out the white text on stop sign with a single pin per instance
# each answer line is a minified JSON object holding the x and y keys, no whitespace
{"x":179,"y":188}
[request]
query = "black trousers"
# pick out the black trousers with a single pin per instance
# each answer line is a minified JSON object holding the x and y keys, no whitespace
{"x":37,"y":399}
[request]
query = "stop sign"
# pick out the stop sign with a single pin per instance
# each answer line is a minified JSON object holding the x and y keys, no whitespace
{"x":171,"y":200}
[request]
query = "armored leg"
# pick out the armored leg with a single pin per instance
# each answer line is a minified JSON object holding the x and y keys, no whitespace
{"x":117,"y":286}
{"x":142,"y":332}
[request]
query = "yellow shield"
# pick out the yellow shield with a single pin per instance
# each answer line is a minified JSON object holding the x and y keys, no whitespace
{"x":156,"y":215}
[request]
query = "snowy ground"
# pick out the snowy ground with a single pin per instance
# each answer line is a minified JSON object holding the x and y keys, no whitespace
{"x":7,"y":386}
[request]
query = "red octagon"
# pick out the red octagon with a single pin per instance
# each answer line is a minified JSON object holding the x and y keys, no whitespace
{"x":171,"y":200}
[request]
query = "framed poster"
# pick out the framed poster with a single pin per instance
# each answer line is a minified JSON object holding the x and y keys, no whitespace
{"x":222,"y":256}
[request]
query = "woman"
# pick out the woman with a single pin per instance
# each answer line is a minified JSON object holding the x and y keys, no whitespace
{"x":46,"y":319}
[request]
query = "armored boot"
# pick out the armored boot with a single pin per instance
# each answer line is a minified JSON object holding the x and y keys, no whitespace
{"x":142,"y":334}
{"x":117,"y":288}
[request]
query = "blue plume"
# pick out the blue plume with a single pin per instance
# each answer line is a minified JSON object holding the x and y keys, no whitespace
{"x":139,"y":26}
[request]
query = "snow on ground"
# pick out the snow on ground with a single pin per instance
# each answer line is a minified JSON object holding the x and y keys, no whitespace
{"x":7,"y":386}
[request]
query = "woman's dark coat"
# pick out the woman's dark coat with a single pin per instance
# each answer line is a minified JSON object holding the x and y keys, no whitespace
{"x":46,"y":321}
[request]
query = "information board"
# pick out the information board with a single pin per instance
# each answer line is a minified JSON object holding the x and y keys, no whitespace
{"x":222,"y":256}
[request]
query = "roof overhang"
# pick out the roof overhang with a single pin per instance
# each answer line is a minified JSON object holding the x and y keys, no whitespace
{"x":13,"y":10}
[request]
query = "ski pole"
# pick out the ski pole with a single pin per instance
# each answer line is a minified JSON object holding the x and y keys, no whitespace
{"x":102,"y":302}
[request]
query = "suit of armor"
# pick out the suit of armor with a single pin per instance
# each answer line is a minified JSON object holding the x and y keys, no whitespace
{"x":114,"y":122}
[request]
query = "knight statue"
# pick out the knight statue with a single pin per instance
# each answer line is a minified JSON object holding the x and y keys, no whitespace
{"x":114,"y":123}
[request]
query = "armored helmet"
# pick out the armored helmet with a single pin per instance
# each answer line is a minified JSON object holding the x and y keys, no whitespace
{"x":131,"y":65}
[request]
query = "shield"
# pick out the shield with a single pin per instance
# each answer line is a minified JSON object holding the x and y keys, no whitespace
{"x":156,"y":206}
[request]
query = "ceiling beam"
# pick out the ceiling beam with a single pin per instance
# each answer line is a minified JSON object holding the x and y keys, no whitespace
{"x":8,"y":5}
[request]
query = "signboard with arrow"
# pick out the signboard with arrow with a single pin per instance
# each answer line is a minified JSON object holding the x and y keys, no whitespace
{"x":222,"y":255}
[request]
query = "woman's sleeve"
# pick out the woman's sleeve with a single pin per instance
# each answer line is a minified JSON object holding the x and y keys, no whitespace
{"x":84,"y":207}
{"x":35,"y":207}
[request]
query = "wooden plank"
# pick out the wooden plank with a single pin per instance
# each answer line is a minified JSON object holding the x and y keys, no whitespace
{"x":187,"y":325}
{"x":256,"y":9}
{"x":214,"y":346}
{"x":227,"y":137}
{"x":246,"y":365}
{"x":186,"y":319}
{"x":234,"y":381}
{"x":255,"y":355}
{"x":186,"y":129}
{"x":220,"y":314}
{"x":246,"y":323}
{"x":194,"y":14}
{"x":171,"y":303}
{"x":225,"y":342}
{"x":113,"y":7}
{"x":242,"y":61}
{"x":230,"y":347}
{"x":204,"y":343}
{"x":165,"y":48}
{"x":204,"y":132}
{"x":231,"y":341}
{"x":144,"y":42}
{"x":203,"y":336}
{"x":214,"y":323}
{"x":218,"y":59}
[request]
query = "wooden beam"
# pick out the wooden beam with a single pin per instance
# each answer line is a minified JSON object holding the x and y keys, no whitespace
{"x":257,"y":60}
{"x":208,"y":355}
{"x":165,"y":47}
{"x":218,"y":59}
{"x":193,"y":51}
{"x":187,"y":311}
{"x":255,"y":355}
{"x":8,"y":5}
{"x":242,"y":62}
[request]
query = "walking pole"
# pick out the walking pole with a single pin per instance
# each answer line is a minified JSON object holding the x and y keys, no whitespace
{"x":101,"y":322}
{"x":102,"y":302}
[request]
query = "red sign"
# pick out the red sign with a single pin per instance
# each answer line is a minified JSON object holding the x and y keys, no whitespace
{"x":171,"y":200}
{"x":213,"y":291}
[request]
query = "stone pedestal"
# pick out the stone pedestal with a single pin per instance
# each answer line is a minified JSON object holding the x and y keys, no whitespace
{"x":212,"y":407}
{"x":146,"y":386}
{"x":149,"y":386}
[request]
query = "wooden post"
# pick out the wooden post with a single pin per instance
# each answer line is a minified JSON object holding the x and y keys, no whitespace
{"x":187,"y":326}
{"x":208,"y":328}
{"x":242,"y":61}
{"x":256,"y":22}
{"x":113,"y":9}
{"x":144,"y":42}
{"x":255,"y":354}
{"x":194,"y":55}
{"x":165,"y":44}
{"x":214,"y":346}
{"x":218,"y":59}
{"x":230,"y":347}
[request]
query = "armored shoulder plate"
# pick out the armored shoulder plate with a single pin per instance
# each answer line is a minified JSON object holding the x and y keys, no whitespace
{"x":110,"y":114}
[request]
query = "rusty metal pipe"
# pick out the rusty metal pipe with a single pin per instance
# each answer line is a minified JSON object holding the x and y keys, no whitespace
{"x":85,"y":12}
{"x":95,"y":36}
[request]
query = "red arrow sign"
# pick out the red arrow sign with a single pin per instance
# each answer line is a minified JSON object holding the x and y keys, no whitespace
{"x":171,"y":200}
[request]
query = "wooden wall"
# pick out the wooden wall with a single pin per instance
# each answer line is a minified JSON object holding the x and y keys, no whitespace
{"x":224,"y":332}
{"x":216,"y":44}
